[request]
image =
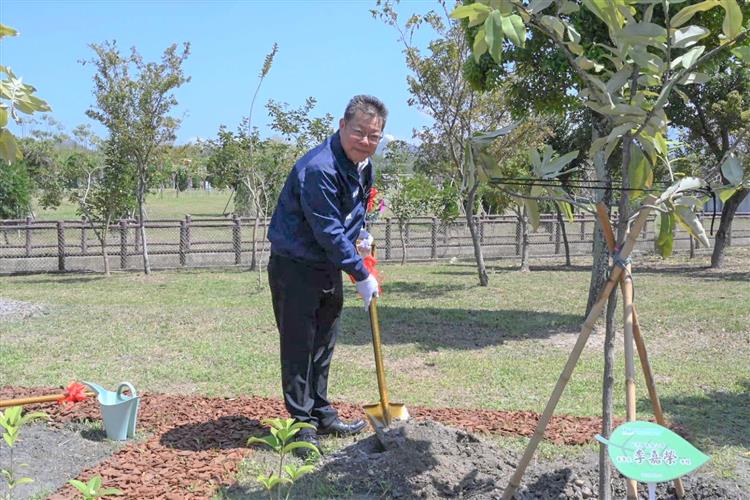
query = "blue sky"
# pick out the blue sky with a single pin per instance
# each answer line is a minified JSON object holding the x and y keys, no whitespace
{"x":329,"y":49}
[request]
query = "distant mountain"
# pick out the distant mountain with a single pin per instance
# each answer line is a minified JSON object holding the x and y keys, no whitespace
{"x":388,"y":138}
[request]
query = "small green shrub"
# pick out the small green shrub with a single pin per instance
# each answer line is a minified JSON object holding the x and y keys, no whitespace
{"x":281,"y":441}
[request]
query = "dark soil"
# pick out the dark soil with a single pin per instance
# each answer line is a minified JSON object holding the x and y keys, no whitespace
{"x":191,"y":446}
{"x":426,"y":459}
{"x":52,"y":456}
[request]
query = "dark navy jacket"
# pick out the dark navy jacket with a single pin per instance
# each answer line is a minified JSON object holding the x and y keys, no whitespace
{"x":321,"y":210}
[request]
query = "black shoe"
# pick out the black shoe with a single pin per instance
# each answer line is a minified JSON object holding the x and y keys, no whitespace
{"x":340,"y":428}
{"x":305,"y":453}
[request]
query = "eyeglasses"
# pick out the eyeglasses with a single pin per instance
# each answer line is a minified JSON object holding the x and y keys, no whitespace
{"x":359,"y":135}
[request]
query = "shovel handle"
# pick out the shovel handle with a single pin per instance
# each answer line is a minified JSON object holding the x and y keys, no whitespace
{"x":5,"y":403}
{"x":379,"y":368}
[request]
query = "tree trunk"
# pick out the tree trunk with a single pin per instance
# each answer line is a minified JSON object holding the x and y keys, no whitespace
{"x":403,"y":242}
{"x":105,"y":255}
{"x":524,"y":241}
{"x":141,"y":224}
{"x":727,"y":216}
{"x":484,"y":280}
{"x":564,"y":231}
{"x":254,"y":245}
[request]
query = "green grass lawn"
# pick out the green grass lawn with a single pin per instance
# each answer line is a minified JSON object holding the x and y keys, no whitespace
{"x":165,"y":205}
{"x":448,"y":342}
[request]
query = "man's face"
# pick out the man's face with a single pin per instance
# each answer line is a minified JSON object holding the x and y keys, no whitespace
{"x":360,"y":136}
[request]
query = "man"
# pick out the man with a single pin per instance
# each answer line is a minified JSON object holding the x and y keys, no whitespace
{"x":313,"y":231}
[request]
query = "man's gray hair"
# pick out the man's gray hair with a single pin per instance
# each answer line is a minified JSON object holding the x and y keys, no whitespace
{"x":368,"y":105}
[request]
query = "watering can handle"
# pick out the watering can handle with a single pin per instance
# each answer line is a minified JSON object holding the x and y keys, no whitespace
{"x":123,"y":386}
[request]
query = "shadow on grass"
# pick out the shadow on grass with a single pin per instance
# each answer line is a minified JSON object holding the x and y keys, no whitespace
{"x":718,"y":417}
{"x":433,"y":328}
{"x":60,"y":279}
{"x":223,"y":433}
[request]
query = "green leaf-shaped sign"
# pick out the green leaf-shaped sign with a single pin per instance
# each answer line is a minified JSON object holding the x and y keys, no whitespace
{"x":650,"y":453}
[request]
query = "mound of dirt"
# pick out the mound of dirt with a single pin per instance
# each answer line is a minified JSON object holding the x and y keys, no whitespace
{"x":426,"y":459}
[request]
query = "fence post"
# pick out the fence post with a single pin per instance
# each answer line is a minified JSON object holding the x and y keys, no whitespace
{"x":84,"y":245}
{"x":28,"y":236}
{"x":183,"y":241}
{"x":558,"y":231}
{"x":433,"y":238}
{"x":518,"y":238}
{"x":124,"y":244}
{"x":583,"y":229}
{"x":387,"y":238}
{"x":188,"y":220}
{"x":60,"y":245}
{"x":237,"y":240}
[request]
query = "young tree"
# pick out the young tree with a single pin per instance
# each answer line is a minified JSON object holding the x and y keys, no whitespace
{"x":15,"y":97}
{"x":628,"y":85}
{"x":133,"y":100}
{"x":102,"y":189}
{"x":409,"y":197}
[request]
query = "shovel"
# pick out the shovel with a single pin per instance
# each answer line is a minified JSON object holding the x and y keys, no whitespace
{"x":383,"y":413}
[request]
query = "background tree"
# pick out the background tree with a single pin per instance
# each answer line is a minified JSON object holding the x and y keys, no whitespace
{"x":102,"y":189}
{"x":714,"y":119}
{"x":409,"y":197}
{"x":438,"y":87}
{"x":133,"y":101}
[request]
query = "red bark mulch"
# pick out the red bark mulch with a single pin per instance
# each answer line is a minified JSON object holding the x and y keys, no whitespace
{"x":197,"y":442}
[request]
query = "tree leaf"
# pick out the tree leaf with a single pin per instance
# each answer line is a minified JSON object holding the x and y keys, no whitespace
{"x":732,"y":25}
{"x":539,"y":5}
{"x":688,"y":58}
{"x":665,"y":233}
{"x":476,"y":12}
{"x":688,"y":12}
{"x":743,"y":53}
{"x":732,"y":170}
{"x":726,"y":192}
{"x":555,"y":25}
{"x":480,"y":45}
{"x":694,"y":78}
{"x":686,"y":37}
{"x":692,"y":223}
{"x":640,"y":174}
{"x":643,"y":34}
{"x":514,"y":29}
{"x":494,"y":35}
{"x":7,"y":31}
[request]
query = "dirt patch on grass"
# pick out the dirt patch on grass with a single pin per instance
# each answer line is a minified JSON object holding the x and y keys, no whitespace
{"x":196,"y":444}
{"x":425,"y":459}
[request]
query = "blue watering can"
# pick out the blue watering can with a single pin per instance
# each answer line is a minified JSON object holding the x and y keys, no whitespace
{"x":119,"y":412}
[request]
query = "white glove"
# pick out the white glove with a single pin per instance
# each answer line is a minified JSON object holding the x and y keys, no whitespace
{"x":364,"y":243}
{"x":367,"y":288}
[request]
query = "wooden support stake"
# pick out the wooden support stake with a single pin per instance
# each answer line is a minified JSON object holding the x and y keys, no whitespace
{"x":626,"y":285}
{"x":588,"y":325}
{"x":609,"y":237}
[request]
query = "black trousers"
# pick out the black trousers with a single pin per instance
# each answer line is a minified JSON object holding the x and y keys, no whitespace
{"x":307,"y":302}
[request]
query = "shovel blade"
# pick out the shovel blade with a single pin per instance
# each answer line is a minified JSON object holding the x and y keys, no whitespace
{"x":396,"y":411}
